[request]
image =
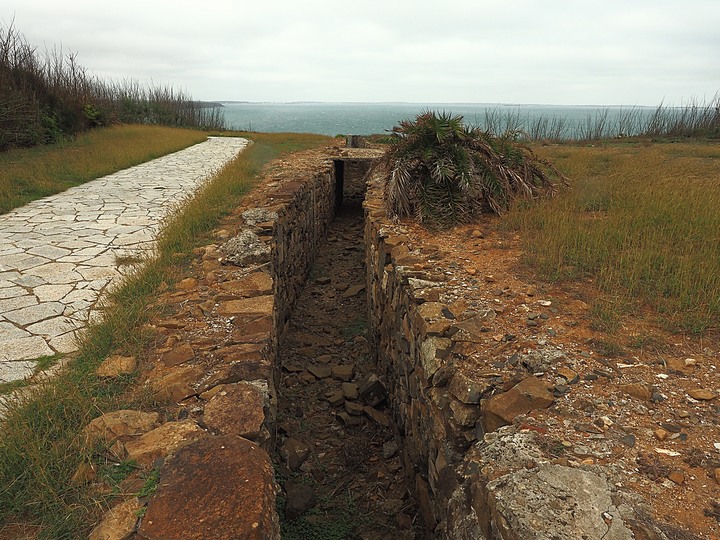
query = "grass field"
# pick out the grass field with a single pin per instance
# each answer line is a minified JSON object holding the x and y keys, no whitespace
{"x":32,"y":173}
{"x":40,"y":443}
{"x":642,"y":221}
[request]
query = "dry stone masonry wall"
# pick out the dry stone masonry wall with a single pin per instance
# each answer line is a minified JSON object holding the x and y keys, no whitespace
{"x":478,"y":471}
{"x":216,"y":374}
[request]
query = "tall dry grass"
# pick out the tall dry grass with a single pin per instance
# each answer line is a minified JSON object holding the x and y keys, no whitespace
{"x":642,"y":221}
{"x":694,"y":118}
{"x":27,"y":174}
{"x":47,"y":97}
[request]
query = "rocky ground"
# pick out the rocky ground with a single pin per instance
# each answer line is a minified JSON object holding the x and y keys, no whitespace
{"x":338,"y":461}
{"x":641,"y":400}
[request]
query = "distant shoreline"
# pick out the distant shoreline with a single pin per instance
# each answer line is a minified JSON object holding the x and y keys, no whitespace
{"x":430,"y":104}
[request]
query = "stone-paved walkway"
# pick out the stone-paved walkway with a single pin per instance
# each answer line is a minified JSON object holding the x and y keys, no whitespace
{"x":58,"y":254}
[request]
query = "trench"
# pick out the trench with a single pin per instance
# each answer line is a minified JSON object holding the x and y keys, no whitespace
{"x":337,"y":459}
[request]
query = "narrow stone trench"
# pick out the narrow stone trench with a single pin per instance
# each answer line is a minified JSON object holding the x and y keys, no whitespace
{"x":337,"y":460}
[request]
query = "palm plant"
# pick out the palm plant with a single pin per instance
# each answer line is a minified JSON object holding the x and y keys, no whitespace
{"x":444,"y":172}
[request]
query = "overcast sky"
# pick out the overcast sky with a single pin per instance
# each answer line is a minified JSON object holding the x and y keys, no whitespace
{"x":573,"y":52}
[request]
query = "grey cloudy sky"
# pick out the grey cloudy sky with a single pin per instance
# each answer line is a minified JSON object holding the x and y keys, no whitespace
{"x":609,"y":52}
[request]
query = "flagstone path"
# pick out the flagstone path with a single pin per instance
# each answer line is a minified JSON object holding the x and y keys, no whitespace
{"x":59,"y":254}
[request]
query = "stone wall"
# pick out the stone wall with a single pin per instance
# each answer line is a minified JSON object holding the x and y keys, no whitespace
{"x":477,"y":470}
{"x":216,"y":373}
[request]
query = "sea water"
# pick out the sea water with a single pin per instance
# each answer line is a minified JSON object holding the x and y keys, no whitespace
{"x":372,"y":118}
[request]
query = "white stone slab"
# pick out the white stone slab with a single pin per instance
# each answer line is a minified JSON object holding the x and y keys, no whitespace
{"x":37,"y":313}
{"x":91,"y":273}
{"x":11,"y":304}
{"x":65,"y":343}
{"x":9,"y":331}
{"x":52,"y":293}
{"x":24,"y":349}
{"x":12,"y":292}
{"x":49,"y":252}
{"x":52,"y":328}
{"x":16,"y":371}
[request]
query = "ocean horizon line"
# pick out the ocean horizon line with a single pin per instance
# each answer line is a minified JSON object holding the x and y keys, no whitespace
{"x":415,"y":103}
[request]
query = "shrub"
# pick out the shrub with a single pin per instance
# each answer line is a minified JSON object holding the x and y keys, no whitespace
{"x":444,"y":172}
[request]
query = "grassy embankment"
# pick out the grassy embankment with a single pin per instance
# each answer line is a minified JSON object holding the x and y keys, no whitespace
{"x":27,"y":174}
{"x":40,"y":446}
{"x":641,"y":220}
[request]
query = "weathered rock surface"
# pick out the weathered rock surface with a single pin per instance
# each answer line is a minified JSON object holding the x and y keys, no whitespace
{"x":557,"y":502}
{"x":218,"y":488}
{"x":119,"y":424}
{"x":246,"y":249}
{"x":116,"y":365}
{"x":178,"y":384}
{"x":237,"y":409}
{"x":119,"y":522}
{"x":162,"y":441}
{"x":529,"y":394}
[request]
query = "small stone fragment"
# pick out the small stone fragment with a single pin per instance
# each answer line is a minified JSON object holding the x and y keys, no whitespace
{"x":163,"y":441}
{"x":300,"y":499}
{"x":660,"y":434}
{"x":372,"y":390}
{"x":320,"y":372}
{"x":119,"y":424}
{"x":637,"y":390}
{"x":701,"y":394}
{"x":389,"y":449}
{"x":119,"y":522}
{"x":628,"y":440}
{"x":525,"y":396}
{"x":677,"y":476}
{"x":377,"y":416}
{"x":352,"y":291}
{"x":116,"y":365}
{"x":466,"y":389}
{"x":350,"y":390}
{"x":246,"y":249}
{"x":343,"y":372}
{"x":294,"y":452}
{"x":178,"y":355}
{"x":353,"y":408}
{"x":335,"y":398}
{"x":672,"y":428}
{"x":237,"y":409}
{"x":570,"y":375}
{"x":464,"y":415}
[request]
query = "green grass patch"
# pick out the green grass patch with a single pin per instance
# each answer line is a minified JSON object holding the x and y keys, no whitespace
{"x":32,"y":173}
{"x":40,"y":442}
{"x":641,"y":221}
{"x":356,"y":327}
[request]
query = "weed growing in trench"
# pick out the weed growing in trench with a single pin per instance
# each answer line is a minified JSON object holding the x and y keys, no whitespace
{"x":336,"y":523}
{"x":357,"y":327}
